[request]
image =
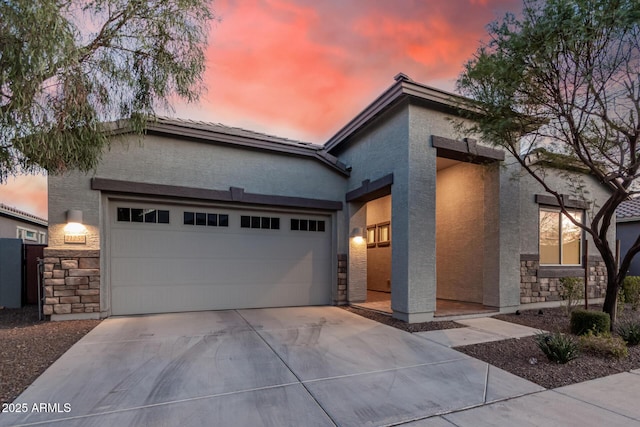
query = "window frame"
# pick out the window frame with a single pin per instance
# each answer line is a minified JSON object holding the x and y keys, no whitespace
{"x":371,"y":236}
{"x":21,"y":233}
{"x":556,"y":209}
{"x":380,"y":228}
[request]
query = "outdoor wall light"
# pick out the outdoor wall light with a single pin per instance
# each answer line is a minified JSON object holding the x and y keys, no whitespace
{"x":357,"y":235}
{"x":74,"y":222}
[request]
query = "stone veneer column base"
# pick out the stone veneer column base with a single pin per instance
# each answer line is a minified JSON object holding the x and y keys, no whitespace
{"x":342,"y":279}
{"x":71,"y":283}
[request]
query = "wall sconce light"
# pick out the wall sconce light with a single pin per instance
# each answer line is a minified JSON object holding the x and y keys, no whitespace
{"x":357,"y":235}
{"x":74,"y":223}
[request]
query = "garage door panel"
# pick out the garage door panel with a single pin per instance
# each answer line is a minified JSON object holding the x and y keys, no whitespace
{"x":172,"y":299}
{"x":176,"y":272}
{"x":176,"y":267}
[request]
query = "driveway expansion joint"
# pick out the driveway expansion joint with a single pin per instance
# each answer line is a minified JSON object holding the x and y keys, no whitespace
{"x":289,"y":368}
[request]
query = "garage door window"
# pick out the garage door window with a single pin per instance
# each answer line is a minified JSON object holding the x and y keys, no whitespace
{"x":264,"y":222}
{"x":307,"y":225}
{"x":154,"y":216}
{"x":206,"y":219}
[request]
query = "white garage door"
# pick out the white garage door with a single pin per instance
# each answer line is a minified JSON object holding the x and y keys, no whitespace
{"x":175,"y":258}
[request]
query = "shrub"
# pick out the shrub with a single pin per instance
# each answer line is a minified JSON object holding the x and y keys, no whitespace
{"x":631,"y":290}
{"x":559,"y":348}
{"x":573,"y":292}
{"x":583,"y":321}
{"x":603,"y":345}
{"x":629,"y":331}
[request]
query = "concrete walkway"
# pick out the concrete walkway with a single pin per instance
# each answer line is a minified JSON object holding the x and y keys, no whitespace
{"x":610,"y":401}
{"x":311,"y":366}
{"x":479,"y":330}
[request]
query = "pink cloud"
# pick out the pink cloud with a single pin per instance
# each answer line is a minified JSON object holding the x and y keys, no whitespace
{"x":27,"y":193}
{"x":301,"y":68}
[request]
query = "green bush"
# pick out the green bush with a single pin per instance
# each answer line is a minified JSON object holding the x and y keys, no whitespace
{"x":583,"y":321}
{"x":573,"y":292}
{"x":629,"y":331}
{"x":559,"y":348}
{"x":603,"y":345}
{"x":631,"y":290}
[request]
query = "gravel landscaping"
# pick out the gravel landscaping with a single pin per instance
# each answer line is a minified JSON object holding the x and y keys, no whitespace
{"x":522,"y":357}
{"x":30,"y":346}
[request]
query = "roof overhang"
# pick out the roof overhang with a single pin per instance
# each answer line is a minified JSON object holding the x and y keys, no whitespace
{"x":403,"y":89}
{"x":219,"y":134}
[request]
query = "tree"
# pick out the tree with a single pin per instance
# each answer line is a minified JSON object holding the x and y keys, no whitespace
{"x":69,"y":66}
{"x":565,"y":77}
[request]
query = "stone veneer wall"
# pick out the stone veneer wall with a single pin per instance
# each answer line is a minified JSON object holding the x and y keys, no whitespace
{"x":342,"y":279}
{"x":542,"y":285}
{"x":71,"y":281}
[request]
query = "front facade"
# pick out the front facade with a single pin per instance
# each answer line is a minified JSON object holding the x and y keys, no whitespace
{"x":199,"y":216}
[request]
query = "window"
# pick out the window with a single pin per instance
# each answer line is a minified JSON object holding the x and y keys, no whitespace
{"x":205,"y":219}
{"x":27,"y":234}
{"x":264,"y":222}
{"x":371,"y":236}
{"x":560,"y":239}
{"x":307,"y":225}
{"x":149,"y":216}
{"x":384,"y":234}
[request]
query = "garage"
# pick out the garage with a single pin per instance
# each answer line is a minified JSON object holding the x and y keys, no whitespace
{"x":175,"y":258}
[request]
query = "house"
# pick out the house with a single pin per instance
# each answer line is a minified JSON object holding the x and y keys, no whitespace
{"x":628,"y":229}
{"x":16,"y":224}
{"x":200,"y":216}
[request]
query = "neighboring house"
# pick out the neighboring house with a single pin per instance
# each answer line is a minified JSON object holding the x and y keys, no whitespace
{"x":16,"y":224}
{"x":201,"y":216}
{"x":628,"y":229}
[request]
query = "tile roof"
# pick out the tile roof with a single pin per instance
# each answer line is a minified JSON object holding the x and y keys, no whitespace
{"x":629,"y":209}
{"x":218,"y":133}
{"x":17,"y":213}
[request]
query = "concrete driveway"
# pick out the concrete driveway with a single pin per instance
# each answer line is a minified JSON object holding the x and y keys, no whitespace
{"x":308,"y":366}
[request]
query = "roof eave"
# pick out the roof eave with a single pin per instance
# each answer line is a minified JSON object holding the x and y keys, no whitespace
{"x":402,"y":88}
{"x":265,"y":143}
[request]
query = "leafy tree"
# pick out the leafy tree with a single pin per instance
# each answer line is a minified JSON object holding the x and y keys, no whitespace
{"x":565,"y":76}
{"x":68,"y":66}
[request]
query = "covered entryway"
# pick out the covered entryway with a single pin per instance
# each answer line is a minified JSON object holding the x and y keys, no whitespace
{"x":174,"y":258}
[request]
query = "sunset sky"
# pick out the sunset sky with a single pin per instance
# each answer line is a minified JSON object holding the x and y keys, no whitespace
{"x":302,"y":69}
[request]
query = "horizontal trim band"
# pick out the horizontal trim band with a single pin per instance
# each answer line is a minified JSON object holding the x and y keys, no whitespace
{"x":234,"y":194}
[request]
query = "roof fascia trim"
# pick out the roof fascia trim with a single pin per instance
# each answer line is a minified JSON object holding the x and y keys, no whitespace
{"x":398,"y":90}
{"x":269,"y":143}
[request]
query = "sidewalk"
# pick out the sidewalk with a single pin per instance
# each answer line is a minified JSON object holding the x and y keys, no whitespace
{"x":610,"y":401}
{"x":482,"y":329}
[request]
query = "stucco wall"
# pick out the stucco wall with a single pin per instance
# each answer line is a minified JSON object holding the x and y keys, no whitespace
{"x":460,"y":232}
{"x":162,"y":160}
{"x":379,"y":257}
{"x":378,"y":150}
